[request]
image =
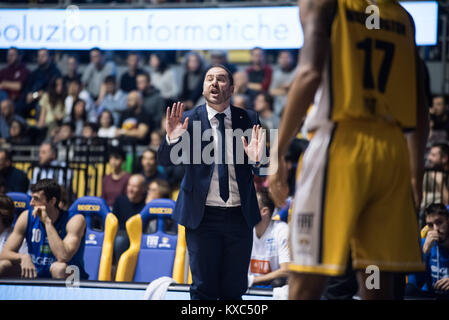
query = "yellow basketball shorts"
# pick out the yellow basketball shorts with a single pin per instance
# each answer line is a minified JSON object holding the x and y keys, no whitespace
{"x":354,"y":193}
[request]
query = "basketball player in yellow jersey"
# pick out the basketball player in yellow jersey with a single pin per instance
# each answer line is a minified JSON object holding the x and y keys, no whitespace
{"x":358,"y":174}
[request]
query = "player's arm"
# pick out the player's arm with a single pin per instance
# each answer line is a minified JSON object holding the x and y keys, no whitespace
{"x":65,"y":249}
{"x":12,"y":245}
{"x":316,"y":18}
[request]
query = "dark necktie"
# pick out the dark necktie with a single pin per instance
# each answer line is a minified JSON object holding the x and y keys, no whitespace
{"x":223,"y":179}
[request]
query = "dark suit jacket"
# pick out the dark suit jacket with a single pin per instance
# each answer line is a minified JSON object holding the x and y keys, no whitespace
{"x":195,"y":185}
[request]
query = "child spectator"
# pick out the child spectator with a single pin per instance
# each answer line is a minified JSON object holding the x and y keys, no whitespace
{"x":107,"y":127}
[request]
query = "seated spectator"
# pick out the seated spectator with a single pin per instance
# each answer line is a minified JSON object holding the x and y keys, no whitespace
{"x":126,"y":206}
{"x":65,"y":132}
{"x":259,"y":72}
{"x":75,"y":92}
{"x":38,"y":82}
{"x":52,"y":109}
{"x":96,"y":72}
{"x":263,"y":104}
{"x":152,"y":102}
{"x":435,"y":247}
{"x":90,"y":130}
{"x":128,"y":79}
{"x":111,"y":98}
{"x":107,"y":127}
{"x":14,"y":76}
{"x":79,"y":116}
{"x":55,"y":238}
{"x":15,"y":179}
{"x":72,"y":70}
{"x":114,"y":184}
{"x":163,"y":77}
{"x":439,"y":117}
{"x":270,"y":254}
{"x":155,"y":139}
{"x":49,"y":167}
{"x":435,"y":188}
{"x":133,"y":122}
{"x":241,"y":88}
{"x":7,"y":210}
{"x":221,"y":57}
{"x":18,"y":134}
{"x":7,"y":116}
{"x":158,"y":189}
{"x":282,"y":78}
{"x":240,"y":101}
{"x":192,"y":80}
{"x":150,"y":169}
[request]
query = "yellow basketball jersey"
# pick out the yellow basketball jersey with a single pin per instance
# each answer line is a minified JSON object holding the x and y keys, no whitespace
{"x":371,"y":72}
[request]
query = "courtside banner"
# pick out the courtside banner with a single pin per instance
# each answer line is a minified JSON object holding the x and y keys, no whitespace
{"x":173,"y":29}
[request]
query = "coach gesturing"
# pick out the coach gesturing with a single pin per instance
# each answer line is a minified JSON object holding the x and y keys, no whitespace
{"x":217,"y":201}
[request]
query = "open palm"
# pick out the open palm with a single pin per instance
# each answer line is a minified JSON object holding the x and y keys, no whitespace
{"x":173,"y":121}
{"x":257,"y":144}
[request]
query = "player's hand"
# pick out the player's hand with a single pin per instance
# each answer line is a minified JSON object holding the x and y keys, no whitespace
{"x":255,"y":148}
{"x":173,"y":121}
{"x":442,"y":284}
{"x":431,"y":237}
{"x":278,"y":181}
{"x":41,"y":213}
{"x":27,"y":266}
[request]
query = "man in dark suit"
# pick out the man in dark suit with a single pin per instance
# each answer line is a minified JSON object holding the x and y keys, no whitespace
{"x":217,"y":201}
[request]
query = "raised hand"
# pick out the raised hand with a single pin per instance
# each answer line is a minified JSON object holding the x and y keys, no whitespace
{"x":173,"y":121}
{"x":255,"y":148}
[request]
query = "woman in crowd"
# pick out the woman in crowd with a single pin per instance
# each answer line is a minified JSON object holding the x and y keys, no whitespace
{"x":52,"y":105}
{"x":107,"y":127}
{"x":163,"y":77}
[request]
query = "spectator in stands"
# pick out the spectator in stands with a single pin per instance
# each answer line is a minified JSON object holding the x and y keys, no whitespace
{"x":112,"y":98}
{"x":15,"y":179}
{"x":128,"y":79}
{"x":270,"y":254}
{"x":7,"y":116}
{"x":435,"y":186}
{"x":259,"y":72}
{"x":6,"y":219}
{"x":192,"y":80}
{"x":221,"y":57}
{"x":72,"y":70}
{"x":55,"y":238}
{"x":163,"y":78}
{"x":14,"y":76}
{"x":79,"y":116}
{"x":150,"y":169}
{"x":155,"y":139}
{"x":241,"y":88}
{"x":65,"y":132}
{"x":96,"y":72}
{"x":158,"y":189}
{"x":282,"y":79}
{"x":152,"y":103}
{"x":114,"y":184}
{"x":107,"y":126}
{"x":38,"y":82}
{"x":125,"y":206}
{"x":439,"y":117}
{"x":49,"y":167}
{"x":434,"y":282}
{"x":52,"y":110}
{"x":134,"y":121}
{"x":240,"y":100}
{"x":263,"y":104}
{"x":75,"y":91}
{"x":18,"y":134}
{"x":90,"y":130}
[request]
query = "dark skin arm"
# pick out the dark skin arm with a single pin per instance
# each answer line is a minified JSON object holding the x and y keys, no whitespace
{"x":316,"y":18}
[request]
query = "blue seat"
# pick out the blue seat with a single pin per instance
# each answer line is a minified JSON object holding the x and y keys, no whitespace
{"x":153,"y":240}
{"x":101,"y":227}
{"x":21,"y":203}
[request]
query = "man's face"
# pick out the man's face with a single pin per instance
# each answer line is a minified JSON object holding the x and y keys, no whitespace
{"x":12,"y":57}
{"x":132,"y":61}
{"x":110,"y":87}
{"x":46,"y":155}
{"x":64,"y":133}
{"x":39,"y":199}
{"x":96,"y":57}
{"x":439,"y":223}
{"x":133,"y":100}
{"x":438,"y":106}
{"x":42,"y":57}
{"x":141,"y":83}
{"x":135,"y":190}
{"x":148,"y":161}
{"x":115,"y":162}
{"x":4,"y":163}
{"x":217,"y":88}
{"x":72,"y":65}
{"x":435,"y":158}
{"x":257,"y":57}
{"x":153,"y":190}
{"x":7,"y":108}
{"x":284,"y":60}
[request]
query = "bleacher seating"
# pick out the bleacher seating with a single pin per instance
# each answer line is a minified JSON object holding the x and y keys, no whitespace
{"x":153,"y":243}
{"x":99,"y":239}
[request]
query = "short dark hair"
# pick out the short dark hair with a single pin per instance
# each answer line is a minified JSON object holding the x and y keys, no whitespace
{"x":50,"y":188}
{"x":436,"y":208}
{"x":443,"y":146}
{"x":116,"y":152}
{"x":164,"y":188}
{"x":7,"y":210}
{"x":230,"y":76}
{"x":266,"y":199}
{"x":110,"y":79}
{"x":145,"y":74}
